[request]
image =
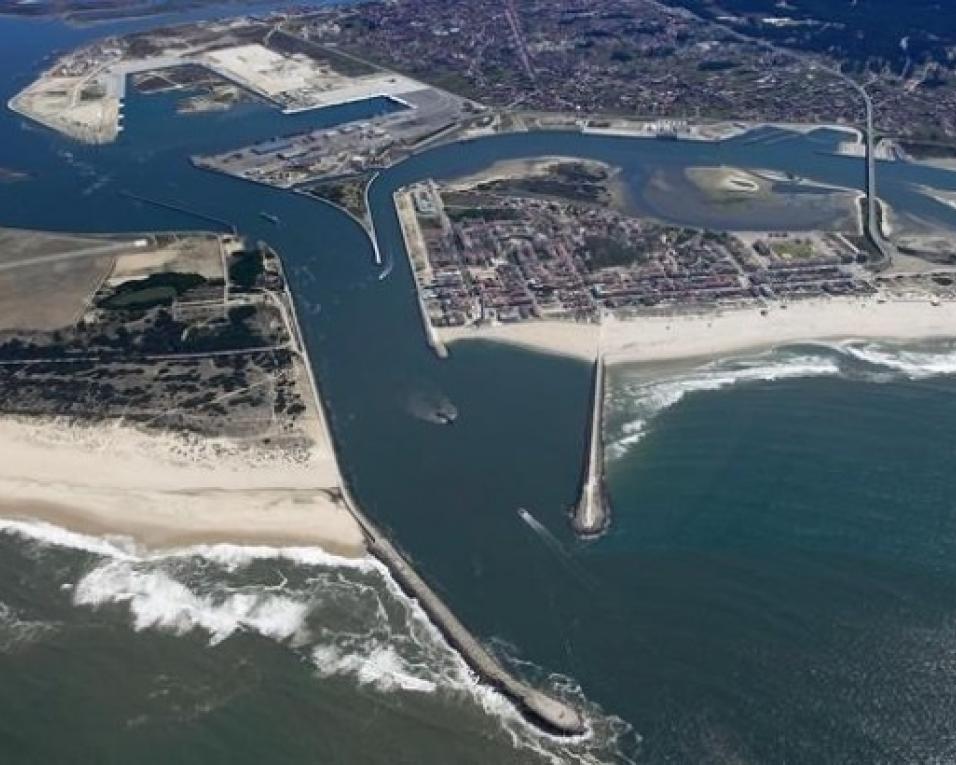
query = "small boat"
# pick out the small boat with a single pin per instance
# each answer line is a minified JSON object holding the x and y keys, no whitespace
{"x":525,"y":515}
{"x":273,"y":219}
{"x":446,"y":418}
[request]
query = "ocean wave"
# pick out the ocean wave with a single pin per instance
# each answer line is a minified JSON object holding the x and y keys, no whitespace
{"x":17,"y":631}
{"x":233,"y":557}
{"x":347,"y":617}
{"x":642,"y":400}
{"x":380,"y":666}
{"x":915,"y":365}
{"x":158,"y":601}
{"x":47,"y":534}
{"x":228,"y":556}
{"x":636,"y":402}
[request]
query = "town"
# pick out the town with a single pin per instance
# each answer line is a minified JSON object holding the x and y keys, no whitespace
{"x":639,"y":58}
{"x":483,"y":258}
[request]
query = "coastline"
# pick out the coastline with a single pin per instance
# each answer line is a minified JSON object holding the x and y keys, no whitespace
{"x":560,"y":338}
{"x":724,"y":331}
{"x":169,"y":490}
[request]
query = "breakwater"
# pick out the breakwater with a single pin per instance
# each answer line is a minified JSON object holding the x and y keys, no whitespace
{"x":219,"y":222}
{"x":544,"y":711}
{"x":592,"y":513}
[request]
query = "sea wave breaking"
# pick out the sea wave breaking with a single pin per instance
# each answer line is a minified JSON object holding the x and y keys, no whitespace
{"x":637,"y":398}
{"x":346,"y":617}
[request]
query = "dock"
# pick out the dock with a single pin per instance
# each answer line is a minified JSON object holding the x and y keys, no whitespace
{"x":540,"y":709}
{"x":592,"y":513}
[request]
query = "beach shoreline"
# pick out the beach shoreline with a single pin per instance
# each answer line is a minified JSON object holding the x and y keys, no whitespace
{"x":169,"y":490}
{"x":726,"y":331}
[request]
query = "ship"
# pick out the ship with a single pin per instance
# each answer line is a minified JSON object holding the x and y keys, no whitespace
{"x":273,"y":219}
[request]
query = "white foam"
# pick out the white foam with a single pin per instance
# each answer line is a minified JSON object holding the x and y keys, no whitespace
{"x":650,"y":398}
{"x":229,"y":556}
{"x":915,"y":365}
{"x":379,"y":666}
{"x":232,"y":557}
{"x":16,"y":631}
{"x":157,"y":601}
{"x":398,"y":649}
{"x":54,"y":536}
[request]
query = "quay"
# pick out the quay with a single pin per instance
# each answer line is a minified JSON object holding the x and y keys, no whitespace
{"x":407,"y":222}
{"x":592,"y":513}
{"x":550,"y":714}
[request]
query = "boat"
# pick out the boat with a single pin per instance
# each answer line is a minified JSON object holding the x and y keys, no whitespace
{"x":273,"y":219}
{"x":446,"y":416}
{"x":525,"y":515}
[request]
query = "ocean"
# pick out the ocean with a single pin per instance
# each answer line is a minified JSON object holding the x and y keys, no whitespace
{"x":777,"y":584}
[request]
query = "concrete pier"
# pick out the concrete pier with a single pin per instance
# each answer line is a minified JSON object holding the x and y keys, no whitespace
{"x":592,"y":513}
{"x":547,"y":713}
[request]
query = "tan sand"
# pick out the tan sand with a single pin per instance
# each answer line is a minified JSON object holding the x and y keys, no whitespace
{"x":660,"y":338}
{"x":171,"y":490}
{"x":726,"y":180}
{"x":562,"y":338}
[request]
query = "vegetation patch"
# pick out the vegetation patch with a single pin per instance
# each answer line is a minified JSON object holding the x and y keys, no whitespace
{"x":154,"y":290}
{"x":457,"y":214}
{"x":245,"y":269}
{"x":605,"y":251}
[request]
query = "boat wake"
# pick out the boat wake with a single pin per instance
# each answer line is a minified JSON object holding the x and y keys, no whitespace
{"x":345,"y":617}
{"x":387,"y":269}
{"x":430,"y":404}
{"x":552,"y":543}
{"x":635,"y":400}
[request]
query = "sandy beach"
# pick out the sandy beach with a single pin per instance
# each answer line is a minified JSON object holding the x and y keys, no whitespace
{"x":171,"y":490}
{"x":562,"y":338}
{"x":722,"y":333}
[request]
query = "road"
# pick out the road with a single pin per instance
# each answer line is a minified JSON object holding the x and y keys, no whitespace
{"x":872,"y":227}
{"x":96,"y":251}
{"x":873,"y":232}
{"x":118,"y":357}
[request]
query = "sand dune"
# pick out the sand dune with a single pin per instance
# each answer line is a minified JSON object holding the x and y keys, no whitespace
{"x":170,"y":490}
